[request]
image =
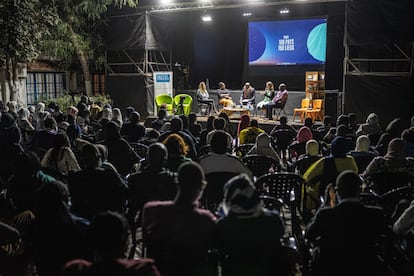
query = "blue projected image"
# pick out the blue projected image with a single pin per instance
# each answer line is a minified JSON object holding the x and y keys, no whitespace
{"x":287,"y":42}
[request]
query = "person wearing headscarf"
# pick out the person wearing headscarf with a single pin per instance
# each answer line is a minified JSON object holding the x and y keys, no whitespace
{"x":263,"y":146}
{"x":24,"y":124}
{"x":370,"y":127}
{"x":297,"y":147}
{"x":248,"y":234}
{"x":324,"y":171}
{"x":362,"y":153}
{"x":117,"y":116}
{"x":394,"y":161}
{"x":312,"y":155}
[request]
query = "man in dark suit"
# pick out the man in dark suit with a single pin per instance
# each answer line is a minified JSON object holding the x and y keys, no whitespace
{"x":349,"y":234}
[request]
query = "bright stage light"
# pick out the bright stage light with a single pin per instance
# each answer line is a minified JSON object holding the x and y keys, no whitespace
{"x":284,"y":11}
{"x":165,"y":2}
{"x":247,"y":14}
{"x":206,"y":18}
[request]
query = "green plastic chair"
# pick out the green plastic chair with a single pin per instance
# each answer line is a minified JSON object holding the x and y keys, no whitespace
{"x":186,"y":105}
{"x":164,"y":99}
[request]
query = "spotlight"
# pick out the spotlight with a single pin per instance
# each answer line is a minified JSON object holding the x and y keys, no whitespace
{"x":247,"y":14}
{"x":284,"y":11}
{"x":206,"y":18}
{"x":165,"y":2}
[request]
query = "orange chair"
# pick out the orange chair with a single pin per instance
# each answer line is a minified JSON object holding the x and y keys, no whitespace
{"x":302,"y":110}
{"x":316,"y":112}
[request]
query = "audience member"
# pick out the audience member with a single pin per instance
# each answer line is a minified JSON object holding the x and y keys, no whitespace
{"x":249,"y":134}
{"x":133,"y":130}
{"x":248,"y":236}
{"x":218,"y":160}
{"x":177,"y":151}
{"x":180,"y":248}
{"x":362,"y":153}
{"x":219,"y":124}
{"x":108,"y":236}
{"x":263,"y":146}
{"x":349,"y":231}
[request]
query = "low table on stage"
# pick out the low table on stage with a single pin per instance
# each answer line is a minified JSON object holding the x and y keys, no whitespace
{"x":230,"y":110}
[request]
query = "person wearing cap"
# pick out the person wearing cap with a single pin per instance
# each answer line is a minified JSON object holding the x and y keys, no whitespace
{"x":248,"y":94}
{"x":278,"y":100}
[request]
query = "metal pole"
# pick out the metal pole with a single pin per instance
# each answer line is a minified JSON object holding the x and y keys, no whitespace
{"x":346,"y":58}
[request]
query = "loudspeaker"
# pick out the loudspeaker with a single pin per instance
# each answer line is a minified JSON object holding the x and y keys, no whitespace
{"x":333,"y":104}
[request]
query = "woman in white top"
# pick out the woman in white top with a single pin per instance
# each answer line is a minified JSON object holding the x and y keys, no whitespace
{"x":60,"y":158}
{"x":204,"y":97}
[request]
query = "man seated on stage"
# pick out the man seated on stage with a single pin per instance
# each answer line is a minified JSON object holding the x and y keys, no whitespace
{"x":248,"y":94}
{"x":224,"y":95}
{"x":278,"y":101}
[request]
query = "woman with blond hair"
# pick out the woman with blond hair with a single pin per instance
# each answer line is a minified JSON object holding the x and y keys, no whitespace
{"x":269,"y":93}
{"x":204,"y":97}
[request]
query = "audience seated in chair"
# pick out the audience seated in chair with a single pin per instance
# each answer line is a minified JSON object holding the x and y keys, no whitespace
{"x":304,"y":161}
{"x":180,"y":248}
{"x":177,"y":151}
{"x":349,"y":235}
{"x":263,"y":146}
{"x":325,"y":171}
{"x":363,"y":153}
{"x":249,"y":134}
{"x":278,"y":101}
{"x":218,"y":160}
{"x":108,"y":236}
{"x":248,"y":236}
{"x":219,"y":124}
{"x":133,"y":130}
{"x":370,"y":127}
{"x":298,"y":146}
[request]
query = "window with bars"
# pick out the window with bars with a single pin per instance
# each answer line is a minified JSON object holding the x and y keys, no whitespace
{"x":41,"y":86}
{"x":99,"y":84}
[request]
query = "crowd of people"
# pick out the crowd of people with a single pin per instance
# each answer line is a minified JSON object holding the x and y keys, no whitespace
{"x":75,"y":192}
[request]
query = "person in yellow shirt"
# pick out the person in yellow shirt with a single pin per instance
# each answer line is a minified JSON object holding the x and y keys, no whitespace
{"x":249,"y":134}
{"x":324,"y":172}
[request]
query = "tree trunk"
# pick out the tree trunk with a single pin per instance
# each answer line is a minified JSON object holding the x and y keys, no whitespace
{"x":83,"y":60}
{"x":12,"y":79}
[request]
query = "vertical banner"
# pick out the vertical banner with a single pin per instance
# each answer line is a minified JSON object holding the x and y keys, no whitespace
{"x":163,"y":84}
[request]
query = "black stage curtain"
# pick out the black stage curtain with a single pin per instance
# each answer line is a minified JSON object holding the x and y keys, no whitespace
{"x":379,"y":21}
{"x":128,"y":91}
{"x":389,"y":97}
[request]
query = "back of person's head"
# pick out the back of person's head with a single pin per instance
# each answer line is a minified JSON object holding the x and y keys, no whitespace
{"x":339,"y":147}
{"x":224,"y":116}
{"x":219,"y":142}
{"x":372,"y":119}
{"x":263,"y":140}
{"x":348,"y":185}
{"x":351,"y":119}
{"x":103,"y":151}
{"x":176,"y":145}
{"x":408,"y":135}
{"x":157,"y":154}
{"x":327,"y":120}
{"x":342,"y":120}
{"x":50,"y":123}
{"x":152,"y":133}
{"x":241,"y":197}
{"x":128,"y":111}
{"x":362,"y":143}
{"x":283,"y":120}
{"x":192,"y":118}
{"x":61,"y":139}
{"x":397,"y":149}
{"x":191,"y":180}
{"x":312,"y":147}
{"x":28,"y":165}
{"x":162,"y":113}
{"x":254,"y":123}
{"x":341,"y":130}
{"x":210,"y":120}
{"x":91,"y":156}
{"x":308,"y":122}
{"x":176,"y":124}
{"x":108,"y":235}
{"x":112,"y":132}
{"x":304,"y":134}
{"x":184,"y":118}
{"x":219,"y":123}
{"x":395,"y":127}
{"x":135,"y":117}
{"x":7,"y":120}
